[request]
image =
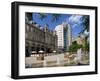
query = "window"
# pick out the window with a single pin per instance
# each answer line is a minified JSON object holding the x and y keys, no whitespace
{"x":27,"y":28}
{"x":31,"y":29}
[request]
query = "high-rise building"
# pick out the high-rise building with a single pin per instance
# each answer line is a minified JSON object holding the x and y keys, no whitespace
{"x":64,"y":34}
{"x":69,"y":36}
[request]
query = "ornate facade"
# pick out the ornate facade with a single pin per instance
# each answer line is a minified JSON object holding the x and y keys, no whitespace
{"x":38,"y":38}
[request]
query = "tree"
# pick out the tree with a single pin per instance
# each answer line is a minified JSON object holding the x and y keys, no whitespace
{"x":74,"y":47}
{"x":85,"y":23}
{"x":86,"y":46}
{"x":55,"y":17}
{"x":42,"y":16}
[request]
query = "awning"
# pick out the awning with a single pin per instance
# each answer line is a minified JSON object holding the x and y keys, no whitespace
{"x":41,"y":51}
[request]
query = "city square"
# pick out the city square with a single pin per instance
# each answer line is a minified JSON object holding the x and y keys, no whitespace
{"x":45,"y":47}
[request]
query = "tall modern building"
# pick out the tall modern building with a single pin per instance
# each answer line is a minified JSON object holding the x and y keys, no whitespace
{"x":64,"y":34}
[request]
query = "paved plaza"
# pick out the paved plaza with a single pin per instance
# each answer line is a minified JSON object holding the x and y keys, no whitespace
{"x":53,"y":60}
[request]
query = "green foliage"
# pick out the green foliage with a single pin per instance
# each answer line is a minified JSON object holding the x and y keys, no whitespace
{"x":55,"y":17}
{"x":86,"y":46}
{"x":85,"y":23}
{"x":42,"y":16}
{"x":74,"y":47}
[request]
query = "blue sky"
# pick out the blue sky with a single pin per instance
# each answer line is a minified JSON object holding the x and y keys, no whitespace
{"x":73,"y":19}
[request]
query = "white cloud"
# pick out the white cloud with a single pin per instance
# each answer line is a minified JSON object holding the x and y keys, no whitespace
{"x":86,"y":33}
{"x":74,"y":25}
{"x":75,"y":19}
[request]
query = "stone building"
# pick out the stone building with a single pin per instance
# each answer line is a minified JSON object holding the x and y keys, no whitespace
{"x":38,"y":38}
